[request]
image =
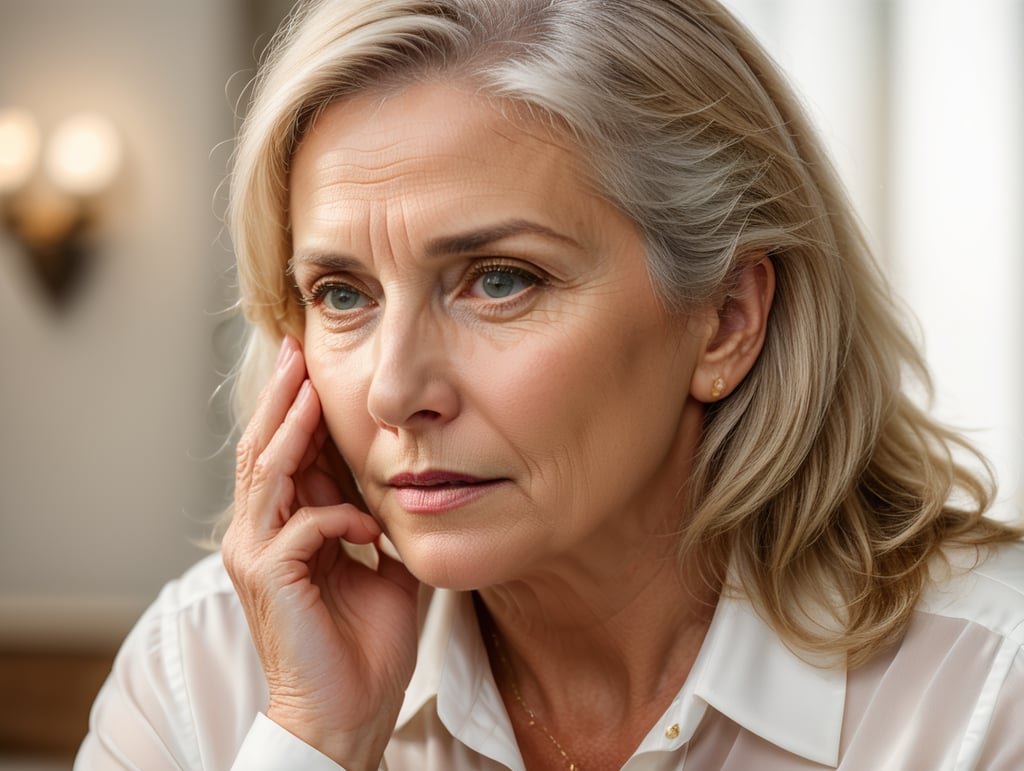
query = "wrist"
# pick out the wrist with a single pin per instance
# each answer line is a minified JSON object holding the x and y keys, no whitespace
{"x":354,"y":750}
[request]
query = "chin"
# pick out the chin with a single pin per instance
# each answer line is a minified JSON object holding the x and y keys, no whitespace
{"x":454,"y":561}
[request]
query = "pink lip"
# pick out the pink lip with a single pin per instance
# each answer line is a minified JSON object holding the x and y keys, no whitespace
{"x":432,"y":492}
{"x":432,"y":477}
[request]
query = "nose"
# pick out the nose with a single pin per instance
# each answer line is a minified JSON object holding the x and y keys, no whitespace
{"x":412,"y":384}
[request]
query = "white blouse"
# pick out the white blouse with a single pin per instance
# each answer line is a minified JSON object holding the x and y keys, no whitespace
{"x":186,"y":692}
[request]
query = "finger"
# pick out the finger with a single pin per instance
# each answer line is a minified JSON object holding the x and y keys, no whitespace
{"x":324,"y":561}
{"x":271,"y":408}
{"x":316,"y":444}
{"x":322,"y":485}
{"x":326,"y":480}
{"x":310,"y":528}
{"x":272,"y":494}
{"x":335,"y":465}
{"x":317,"y":487}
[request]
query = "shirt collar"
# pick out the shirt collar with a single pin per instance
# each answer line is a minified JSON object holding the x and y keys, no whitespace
{"x":744,"y":671}
{"x":452,"y":670}
{"x":795,"y":701}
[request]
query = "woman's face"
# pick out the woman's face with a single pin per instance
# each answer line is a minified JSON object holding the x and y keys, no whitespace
{"x":487,"y":347}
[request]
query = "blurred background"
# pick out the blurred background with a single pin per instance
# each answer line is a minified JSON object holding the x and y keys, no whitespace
{"x":115,"y":280}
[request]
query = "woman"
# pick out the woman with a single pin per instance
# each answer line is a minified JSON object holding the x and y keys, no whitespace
{"x":585,"y":445}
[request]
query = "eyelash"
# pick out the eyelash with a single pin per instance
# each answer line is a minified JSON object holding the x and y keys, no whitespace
{"x":321,"y":287}
{"x":484,"y":267}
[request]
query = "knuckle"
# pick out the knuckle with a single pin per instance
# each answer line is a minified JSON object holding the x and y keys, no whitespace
{"x":245,"y":456}
{"x":302,"y":517}
{"x":239,"y":561}
{"x":261,"y":471}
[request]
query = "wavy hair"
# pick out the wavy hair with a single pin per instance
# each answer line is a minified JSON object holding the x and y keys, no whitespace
{"x":818,"y":479}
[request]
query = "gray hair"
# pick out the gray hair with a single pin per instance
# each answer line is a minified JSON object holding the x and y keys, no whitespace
{"x":817,"y":476}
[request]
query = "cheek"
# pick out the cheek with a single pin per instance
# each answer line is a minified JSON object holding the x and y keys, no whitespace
{"x":525,"y":387}
{"x":593,"y":405}
{"x":552,"y":398}
{"x":343,"y":403}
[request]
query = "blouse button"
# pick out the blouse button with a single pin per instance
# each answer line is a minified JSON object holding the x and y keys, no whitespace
{"x":672,"y":732}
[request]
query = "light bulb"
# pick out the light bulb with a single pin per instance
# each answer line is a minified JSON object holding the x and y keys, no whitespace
{"x":19,"y":148}
{"x":84,"y":155}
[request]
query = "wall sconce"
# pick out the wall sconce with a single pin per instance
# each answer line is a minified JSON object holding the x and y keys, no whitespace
{"x":50,"y":213}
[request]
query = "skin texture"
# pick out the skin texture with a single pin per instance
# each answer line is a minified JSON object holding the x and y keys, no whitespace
{"x":573,"y":390}
{"x":476,"y":315}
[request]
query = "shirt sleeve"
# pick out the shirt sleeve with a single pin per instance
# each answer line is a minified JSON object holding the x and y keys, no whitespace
{"x":187,"y":691}
{"x":269,"y":747}
{"x":140,"y":718}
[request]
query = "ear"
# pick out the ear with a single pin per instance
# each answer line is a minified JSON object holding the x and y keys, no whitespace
{"x":735,"y":332}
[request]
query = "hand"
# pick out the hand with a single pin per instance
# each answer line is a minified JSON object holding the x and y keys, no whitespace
{"x":337,"y":639}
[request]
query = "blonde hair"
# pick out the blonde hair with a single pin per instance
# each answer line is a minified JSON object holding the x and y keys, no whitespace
{"x":821,"y":482}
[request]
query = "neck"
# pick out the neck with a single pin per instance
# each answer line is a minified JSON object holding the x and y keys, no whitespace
{"x":603,"y":635}
{"x":638,"y":628}
{"x":582,"y":650}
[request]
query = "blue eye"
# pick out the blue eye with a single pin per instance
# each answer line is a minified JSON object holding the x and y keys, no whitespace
{"x":339,"y":297}
{"x":500,"y":283}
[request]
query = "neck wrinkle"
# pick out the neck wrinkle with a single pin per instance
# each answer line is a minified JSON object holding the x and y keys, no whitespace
{"x":642,"y":649}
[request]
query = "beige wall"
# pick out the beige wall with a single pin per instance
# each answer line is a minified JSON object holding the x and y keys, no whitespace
{"x":105,"y":423}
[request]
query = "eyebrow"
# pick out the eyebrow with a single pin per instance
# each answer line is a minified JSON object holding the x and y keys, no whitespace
{"x":460,"y":243}
{"x":474,"y":240}
{"x":325,"y":260}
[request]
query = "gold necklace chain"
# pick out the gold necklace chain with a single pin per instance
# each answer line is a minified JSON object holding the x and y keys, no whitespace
{"x":499,"y":649}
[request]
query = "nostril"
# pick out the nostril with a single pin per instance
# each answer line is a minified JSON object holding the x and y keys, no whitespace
{"x":427,"y":415}
{"x":400,"y":396}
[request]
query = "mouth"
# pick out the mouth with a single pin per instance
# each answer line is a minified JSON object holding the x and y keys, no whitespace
{"x":434,"y":492}
{"x":433,"y":479}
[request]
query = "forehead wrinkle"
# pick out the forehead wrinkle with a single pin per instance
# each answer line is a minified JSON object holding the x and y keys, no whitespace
{"x":366,"y":167}
{"x":391,"y":238}
{"x":343,"y":172}
{"x":338,"y":169}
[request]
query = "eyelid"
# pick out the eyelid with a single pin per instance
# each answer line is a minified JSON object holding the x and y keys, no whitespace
{"x":321,"y":286}
{"x":503,"y":307}
{"x":310,"y":273}
{"x":499,"y":265}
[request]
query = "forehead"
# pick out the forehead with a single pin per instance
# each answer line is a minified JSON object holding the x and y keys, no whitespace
{"x":379,"y":145}
{"x":387,"y":177}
